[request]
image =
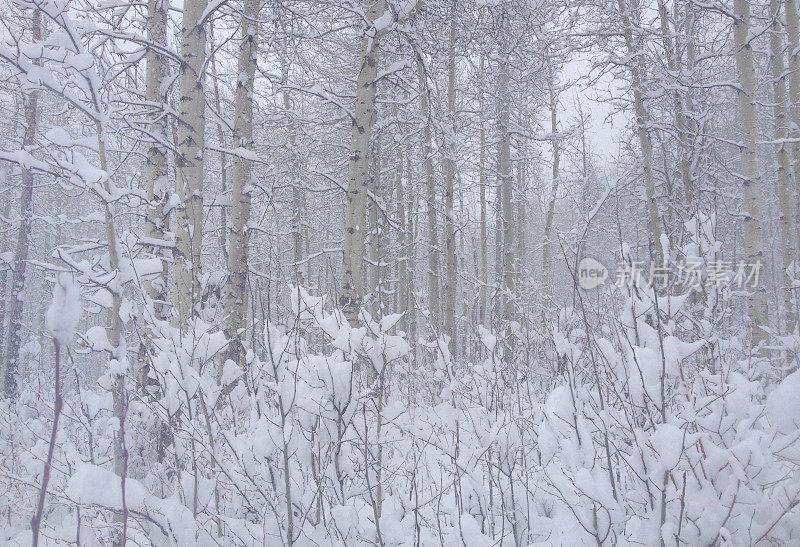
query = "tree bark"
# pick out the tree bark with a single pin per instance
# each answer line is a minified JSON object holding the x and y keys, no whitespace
{"x":643,"y":132}
{"x":793,"y":40}
{"x":551,"y":206}
{"x":190,"y":162}
{"x":10,"y":384}
{"x":506,"y":180}
{"x":484,"y":259}
{"x":236,"y":287}
{"x":430,"y":198}
{"x":352,"y":295}
{"x":785,"y":191}
{"x":753,"y":238}
{"x":449,"y":168}
{"x":156,"y":174}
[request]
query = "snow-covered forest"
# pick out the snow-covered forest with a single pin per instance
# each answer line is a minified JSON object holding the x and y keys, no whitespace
{"x":399,"y":272}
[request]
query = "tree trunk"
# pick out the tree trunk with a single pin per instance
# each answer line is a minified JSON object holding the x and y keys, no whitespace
{"x":374,"y":272}
{"x":190,"y":161}
{"x":484,"y":259}
{"x":236,"y":287}
{"x":547,"y":276}
{"x":449,"y":168}
{"x":673,"y":65}
{"x":793,"y":39}
{"x":402,"y":258}
{"x":430,"y":198}
{"x":223,"y":160}
{"x":643,"y":132}
{"x":757,"y":301}
{"x":506,"y":183}
{"x":358,"y":172}
{"x":785,"y":190}
{"x":10,"y":384}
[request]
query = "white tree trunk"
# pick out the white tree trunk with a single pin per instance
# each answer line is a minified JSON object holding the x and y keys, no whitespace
{"x":236,"y":287}
{"x":190,"y":161}
{"x":785,"y":191}
{"x":484,"y":259}
{"x":11,"y":378}
{"x":673,"y":65}
{"x":506,"y":183}
{"x":156,"y":175}
{"x":374,"y":272}
{"x":449,"y":168}
{"x":643,"y":132}
{"x":753,"y":238}
{"x":352,"y":295}
{"x":20,"y":261}
{"x":793,"y":39}
{"x":547,"y":277}
{"x":430,"y":198}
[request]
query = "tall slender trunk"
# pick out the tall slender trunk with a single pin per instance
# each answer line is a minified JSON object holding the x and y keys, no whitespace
{"x":506,"y":182}
{"x":521,"y":199}
{"x":402,"y":258}
{"x":643,"y":132}
{"x":236,"y":287}
{"x":190,"y":161}
{"x":673,"y":65}
{"x":411,"y":249}
{"x":785,"y":190}
{"x":374,"y":272}
{"x":11,"y":380}
{"x":352,"y":295}
{"x":223,"y":160}
{"x":449,"y":168}
{"x":484,"y":259}
{"x":430,"y":198}
{"x":547,"y":276}
{"x":156,"y":176}
{"x":793,"y":40}
{"x":757,"y":301}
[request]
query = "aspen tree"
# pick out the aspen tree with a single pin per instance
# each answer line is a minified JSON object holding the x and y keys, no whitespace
{"x":551,"y":206}
{"x":403,"y":258}
{"x":20,"y":261}
{"x":449,"y":167}
{"x":156,"y":174}
{"x":190,"y":162}
{"x":643,"y":132}
{"x":757,"y":302}
{"x":793,"y":41}
{"x":506,"y":179}
{"x":236,"y":287}
{"x":673,"y":65}
{"x":484,"y":260}
{"x":430,"y":198}
{"x":352,"y":294}
{"x":374,"y":271}
{"x":785,"y":193}
{"x":223,"y":160}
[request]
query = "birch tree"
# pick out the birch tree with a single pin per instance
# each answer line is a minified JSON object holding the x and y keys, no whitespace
{"x":449,"y":168}
{"x":20,"y":261}
{"x":156,"y":169}
{"x":236,"y":287}
{"x":642,"y":130}
{"x":352,"y":291}
{"x":506,"y":180}
{"x":746,"y":98}
{"x":785,"y":190}
{"x":190,"y":162}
